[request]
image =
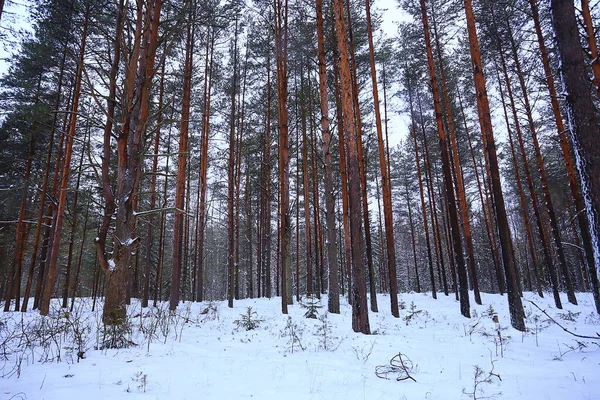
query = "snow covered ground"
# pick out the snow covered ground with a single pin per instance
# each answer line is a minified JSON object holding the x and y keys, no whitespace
{"x":202,"y":353}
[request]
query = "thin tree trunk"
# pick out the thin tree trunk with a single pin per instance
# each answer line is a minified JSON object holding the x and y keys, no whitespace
{"x":437,"y":236}
{"x":554,"y":228}
{"x":67,"y":283}
{"x":423,"y":208}
{"x":305,"y":185}
{"x":231,"y":180}
{"x":521,"y":192}
{"x":203,"y":174}
{"x":344,"y":176}
{"x":453,"y":212}
{"x":460,"y":186}
{"x":75,"y":285}
{"x":385,"y":181}
{"x":333,"y":300}
{"x":534,"y":201}
{"x":161,"y":240}
{"x":281,"y":39}
{"x":182,"y":156}
{"x":62,"y":199}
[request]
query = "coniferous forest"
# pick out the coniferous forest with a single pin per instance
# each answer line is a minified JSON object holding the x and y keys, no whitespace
{"x":197,"y":150}
{"x":201,"y":151}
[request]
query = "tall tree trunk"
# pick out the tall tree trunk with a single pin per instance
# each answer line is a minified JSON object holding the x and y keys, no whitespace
{"x":344,"y":176}
{"x":487,"y":219}
{"x":333,"y":300}
{"x":460,"y":186}
{"x":554,"y":228}
{"x":520,"y":190}
{"x":453,"y":212}
{"x":385,"y":181}
{"x":534,"y":201}
{"x":582,"y":114}
{"x":150,"y":234}
{"x":485,"y":121}
{"x":362,"y":162}
{"x":182,"y":156}
{"x":161,"y":239}
{"x":305,"y":185}
{"x":204,"y":172}
{"x":62,"y":199}
{"x":130,"y":145}
{"x":281,"y":39}
{"x":360,"y":316}
{"x":437,"y":237}
{"x":423,"y":208}
{"x":231,"y":180}
{"x":67,"y":283}
{"x":584,"y":226}
{"x":107,"y":190}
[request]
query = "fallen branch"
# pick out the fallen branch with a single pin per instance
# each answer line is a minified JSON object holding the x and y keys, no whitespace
{"x":399,"y":364}
{"x":597,"y":337}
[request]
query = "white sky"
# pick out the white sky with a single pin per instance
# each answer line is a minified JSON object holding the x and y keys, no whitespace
{"x":14,"y":18}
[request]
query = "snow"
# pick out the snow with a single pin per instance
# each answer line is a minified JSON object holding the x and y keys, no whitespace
{"x":111,"y":265}
{"x":200,"y":352}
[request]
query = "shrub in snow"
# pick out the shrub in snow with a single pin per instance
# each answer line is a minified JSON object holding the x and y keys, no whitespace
{"x":294,"y":334}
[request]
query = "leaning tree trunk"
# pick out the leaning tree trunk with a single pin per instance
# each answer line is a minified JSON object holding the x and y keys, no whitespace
{"x":485,"y":121}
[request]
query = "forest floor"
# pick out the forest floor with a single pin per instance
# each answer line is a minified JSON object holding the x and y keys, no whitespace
{"x":204,"y":351}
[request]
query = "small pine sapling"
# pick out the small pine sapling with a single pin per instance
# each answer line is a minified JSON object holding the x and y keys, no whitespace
{"x":249,"y":321}
{"x":312,"y":307}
